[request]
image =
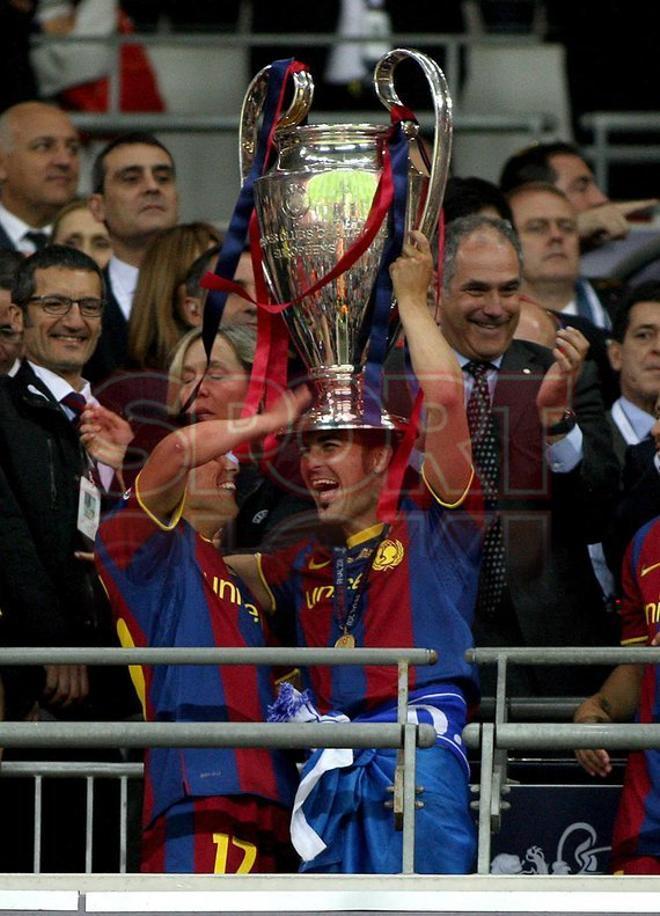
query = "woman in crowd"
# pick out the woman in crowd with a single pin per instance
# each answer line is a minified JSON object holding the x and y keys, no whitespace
{"x":158,"y":317}
{"x":76,"y":227}
{"x":270,"y":497}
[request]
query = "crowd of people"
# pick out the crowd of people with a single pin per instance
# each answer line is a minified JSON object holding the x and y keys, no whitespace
{"x":526,"y":514}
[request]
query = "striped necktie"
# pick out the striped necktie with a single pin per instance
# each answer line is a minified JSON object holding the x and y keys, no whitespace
{"x":486,"y":454}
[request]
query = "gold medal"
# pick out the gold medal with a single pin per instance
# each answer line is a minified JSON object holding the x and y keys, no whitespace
{"x":345,"y":641}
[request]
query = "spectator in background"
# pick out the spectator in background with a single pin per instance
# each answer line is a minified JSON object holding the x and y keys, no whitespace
{"x":634,"y":354}
{"x":76,"y":227}
{"x":599,"y":219}
{"x":640,"y":494}
{"x":547,"y":225}
{"x":548,"y":472}
{"x":268,"y":502}
{"x":11,"y":319}
{"x":39,"y":166}
{"x":135,"y":196}
{"x":159,"y":317}
{"x":464,"y":196}
{"x":50,"y":592}
{"x":60,"y":292}
{"x":554,"y":295}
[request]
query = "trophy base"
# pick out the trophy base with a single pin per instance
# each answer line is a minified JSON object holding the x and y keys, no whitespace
{"x":339,"y":404}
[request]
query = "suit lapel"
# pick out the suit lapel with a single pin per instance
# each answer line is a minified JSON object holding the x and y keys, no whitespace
{"x":520,"y":374}
{"x":37,"y":396}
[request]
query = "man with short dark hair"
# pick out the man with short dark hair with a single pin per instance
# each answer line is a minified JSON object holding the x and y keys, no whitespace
{"x":599,"y":219}
{"x":542,"y":450}
{"x":50,"y":592}
{"x":54,"y":479}
{"x":634,"y":354}
{"x":39,"y":166}
{"x":134,"y":194}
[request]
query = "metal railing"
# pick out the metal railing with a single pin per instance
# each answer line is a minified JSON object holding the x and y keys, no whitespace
{"x":496,"y":739}
{"x":602,"y":152}
{"x":453,"y":46}
{"x":403,"y":735}
{"x":534,"y":124}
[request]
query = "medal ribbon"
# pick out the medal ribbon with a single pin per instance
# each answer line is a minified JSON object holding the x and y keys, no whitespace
{"x":347,"y":618}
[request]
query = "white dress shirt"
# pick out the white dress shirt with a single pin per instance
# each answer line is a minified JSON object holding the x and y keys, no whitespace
{"x":123,"y":280}
{"x":16,"y":229}
{"x":59,"y":388}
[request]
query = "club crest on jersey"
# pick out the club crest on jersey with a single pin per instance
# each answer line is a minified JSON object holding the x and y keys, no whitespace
{"x":389,"y":554}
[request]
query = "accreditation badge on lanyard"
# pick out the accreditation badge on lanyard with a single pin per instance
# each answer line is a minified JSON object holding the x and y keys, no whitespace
{"x":89,"y":507}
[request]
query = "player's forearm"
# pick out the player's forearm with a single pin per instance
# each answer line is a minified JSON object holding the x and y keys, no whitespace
{"x":617,"y":699}
{"x":433,"y":360}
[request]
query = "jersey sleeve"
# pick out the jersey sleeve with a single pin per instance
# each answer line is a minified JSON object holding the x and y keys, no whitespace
{"x":132,"y":543}
{"x":634,"y":629}
{"x":275,"y":572}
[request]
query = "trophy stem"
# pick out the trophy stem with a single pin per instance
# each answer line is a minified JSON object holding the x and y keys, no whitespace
{"x":339,"y":401}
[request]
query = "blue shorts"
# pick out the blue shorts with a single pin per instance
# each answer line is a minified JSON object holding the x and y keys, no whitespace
{"x":347,"y":810}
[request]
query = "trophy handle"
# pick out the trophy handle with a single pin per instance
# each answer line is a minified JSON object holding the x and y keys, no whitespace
{"x":252,"y":109}
{"x":442,"y":106}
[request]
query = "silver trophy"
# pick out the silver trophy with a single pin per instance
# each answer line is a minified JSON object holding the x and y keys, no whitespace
{"x":313,"y":204}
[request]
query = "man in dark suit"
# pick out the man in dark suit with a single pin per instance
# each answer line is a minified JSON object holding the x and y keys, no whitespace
{"x":634,"y":354}
{"x":49,"y":591}
{"x":135,"y":196}
{"x":39,"y":166}
{"x":51,"y":476}
{"x":555,"y":474}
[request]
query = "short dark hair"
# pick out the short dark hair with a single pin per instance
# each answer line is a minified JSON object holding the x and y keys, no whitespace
{"x":10,"y":261}
{"x":133,"y":139}
{"x":645,"y":292}
{"x":24,"y":285}
{"x":465,"y":226}
{"x":465,"y":196}
{"x":533,"y":164}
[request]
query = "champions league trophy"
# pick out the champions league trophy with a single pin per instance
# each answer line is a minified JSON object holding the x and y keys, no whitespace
{"x":312,"y":206}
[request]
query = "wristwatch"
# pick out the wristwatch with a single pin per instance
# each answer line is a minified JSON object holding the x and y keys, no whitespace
{"x":564,"y":426}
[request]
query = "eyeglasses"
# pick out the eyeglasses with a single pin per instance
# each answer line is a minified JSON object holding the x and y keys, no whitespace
{"x":62,"y":305}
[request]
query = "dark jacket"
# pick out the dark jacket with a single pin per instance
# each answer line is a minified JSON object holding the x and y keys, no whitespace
{"x":548,"y":521}
{"x":43,"y":460}
{"x":47,"y":596}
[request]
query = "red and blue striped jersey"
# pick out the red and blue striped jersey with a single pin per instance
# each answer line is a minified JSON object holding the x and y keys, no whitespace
{"x":637,"y":826}
{"x":420,"y":592}
{"x":170,"y":587}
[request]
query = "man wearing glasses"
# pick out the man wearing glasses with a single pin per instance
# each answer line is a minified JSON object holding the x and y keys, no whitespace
{"x":54,"y":480}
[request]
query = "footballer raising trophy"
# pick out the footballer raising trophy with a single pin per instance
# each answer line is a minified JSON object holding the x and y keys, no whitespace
{"x":333,"y":200}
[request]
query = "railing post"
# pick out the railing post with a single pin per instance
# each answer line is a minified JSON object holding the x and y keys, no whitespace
{"x":409,"y":793}
{"x":485,"y":797}
{"x":601,"y":164}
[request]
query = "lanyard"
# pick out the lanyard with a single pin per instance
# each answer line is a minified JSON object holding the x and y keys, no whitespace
{"x":348,"y":617}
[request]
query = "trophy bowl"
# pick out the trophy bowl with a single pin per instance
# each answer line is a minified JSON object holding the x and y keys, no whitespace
{"x":312,"y":206}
